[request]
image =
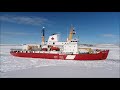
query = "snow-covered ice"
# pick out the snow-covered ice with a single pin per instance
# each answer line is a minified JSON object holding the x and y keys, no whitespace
{"x":11,"y":66}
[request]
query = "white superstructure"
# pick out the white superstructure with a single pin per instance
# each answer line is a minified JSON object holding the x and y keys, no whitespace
{"x":71,"y":47}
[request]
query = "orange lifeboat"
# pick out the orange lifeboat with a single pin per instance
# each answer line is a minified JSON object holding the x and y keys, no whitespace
{"x":44,"y":49}
{"x":55,"y":48}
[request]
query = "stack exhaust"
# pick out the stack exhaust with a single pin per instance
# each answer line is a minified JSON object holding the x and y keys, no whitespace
{"x":43,"y":36}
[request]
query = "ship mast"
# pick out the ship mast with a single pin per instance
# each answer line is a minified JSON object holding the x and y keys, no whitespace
{"x":43,"y":36}
{"x":72,"y":31}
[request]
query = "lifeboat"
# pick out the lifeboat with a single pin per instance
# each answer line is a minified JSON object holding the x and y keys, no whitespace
{"x":45,"y":48}
{"x":55,"y":48}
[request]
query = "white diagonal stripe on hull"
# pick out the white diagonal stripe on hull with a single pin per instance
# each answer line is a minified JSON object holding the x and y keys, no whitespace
{"x":70,"y":56}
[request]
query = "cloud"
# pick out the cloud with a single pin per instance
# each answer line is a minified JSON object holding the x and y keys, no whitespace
{"x":24,"y":19}
{"x":109,"y":35}
{"x":17,"y":33}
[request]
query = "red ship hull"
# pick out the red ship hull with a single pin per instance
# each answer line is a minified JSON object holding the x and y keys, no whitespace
{"x":102,"y":55}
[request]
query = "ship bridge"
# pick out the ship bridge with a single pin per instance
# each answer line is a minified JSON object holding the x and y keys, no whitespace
{"x":74,"y":40}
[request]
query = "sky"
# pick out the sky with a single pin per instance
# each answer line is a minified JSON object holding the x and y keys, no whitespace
{"x":90,"y":27}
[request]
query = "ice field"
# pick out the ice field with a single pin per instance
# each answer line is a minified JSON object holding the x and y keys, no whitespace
{"x":17,"y":67}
